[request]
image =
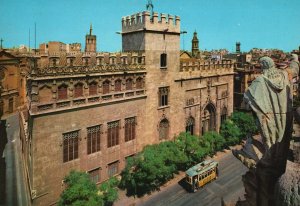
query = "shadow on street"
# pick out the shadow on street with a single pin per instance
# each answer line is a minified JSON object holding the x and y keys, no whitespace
{"x":183,"y":184}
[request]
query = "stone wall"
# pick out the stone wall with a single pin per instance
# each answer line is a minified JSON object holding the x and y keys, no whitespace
{"x":47,"y":139}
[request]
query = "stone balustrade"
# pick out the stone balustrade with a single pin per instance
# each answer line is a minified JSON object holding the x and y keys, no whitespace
{"x":37,"y":108}
{"x":75,"y":70}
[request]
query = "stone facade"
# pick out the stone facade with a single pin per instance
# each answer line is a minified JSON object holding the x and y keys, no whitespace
{"x":13,"y":82}
{"x":147,"y":87}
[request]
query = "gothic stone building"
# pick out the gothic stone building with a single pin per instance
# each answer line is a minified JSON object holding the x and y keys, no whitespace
{"x":13,"y":71}
{"x":90,"y":111}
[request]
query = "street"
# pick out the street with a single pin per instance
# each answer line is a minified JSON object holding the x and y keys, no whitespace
{"x":13,"y":191}
{"x":228,"y":187}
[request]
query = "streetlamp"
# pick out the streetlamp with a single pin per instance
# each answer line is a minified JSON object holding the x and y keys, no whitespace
{"x":183,"y":33}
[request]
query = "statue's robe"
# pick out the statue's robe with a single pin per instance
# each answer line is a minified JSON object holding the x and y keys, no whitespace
{"x":270,"y":99}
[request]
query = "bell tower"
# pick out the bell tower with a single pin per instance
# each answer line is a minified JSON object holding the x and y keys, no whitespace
{"x":238,"y":47}
{"x":90,"y":41}
{"x":195,"y":45}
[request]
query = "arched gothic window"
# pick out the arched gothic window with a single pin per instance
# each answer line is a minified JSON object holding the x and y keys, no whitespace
{"x":78,"y":90}
{"x":105,"y":87}
{"x":208,"y":119}
{"x":62,"y":92}
{"x":190,"y":125}
{"x":129,"y":84}
{"x":223,"y":115}
{"x":118,"y":85}
{"x":164,"y":129}
{"x":139,"y":83}
{"x":93,"y":88}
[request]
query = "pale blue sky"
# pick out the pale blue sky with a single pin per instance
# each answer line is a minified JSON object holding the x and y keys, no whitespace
{"x":219,"y":23}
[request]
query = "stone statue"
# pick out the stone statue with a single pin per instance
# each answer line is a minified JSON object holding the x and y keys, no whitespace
{"x":294,"y":65}
{"x":270,"y":98}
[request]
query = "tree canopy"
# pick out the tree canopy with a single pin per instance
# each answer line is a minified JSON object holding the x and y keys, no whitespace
{"x":245,"y":122}
{"x":80,"y":190}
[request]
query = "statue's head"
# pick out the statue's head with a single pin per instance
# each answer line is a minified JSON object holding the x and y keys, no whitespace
{"x":266,"y":63}
{"x":294,"y":57}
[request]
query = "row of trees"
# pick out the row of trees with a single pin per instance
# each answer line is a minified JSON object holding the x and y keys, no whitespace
{"x":157,"y":164}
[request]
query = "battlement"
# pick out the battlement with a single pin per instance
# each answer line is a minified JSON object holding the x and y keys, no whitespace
{"x":158,"y":22}
{"x":206,"y":68}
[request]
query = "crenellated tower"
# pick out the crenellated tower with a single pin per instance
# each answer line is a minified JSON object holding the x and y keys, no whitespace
{"x":158,"y":36}
{"x":90,"y":41}
{"x":139,"y":29}
{"x":195,"y":45}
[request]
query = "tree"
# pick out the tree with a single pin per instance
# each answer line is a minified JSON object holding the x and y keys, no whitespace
{"x":245,"y":122}
{"x":109,"y":190}
{"x":231,"y":132}
{"x":213,"y":141}
{"x":151,"y":168}
{"x":190,"y":144}
{"x":80,"y":190}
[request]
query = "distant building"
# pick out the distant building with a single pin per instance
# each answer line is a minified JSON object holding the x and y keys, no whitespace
{"x":195,"y":45}
{"x":90,"y":41}
{"x":52,"y":47}
{"x":238,"y":47}
{"x":74,"y":47}
{"x":13,"y":81}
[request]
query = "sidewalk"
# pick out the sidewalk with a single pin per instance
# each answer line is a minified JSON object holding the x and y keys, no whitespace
{"x":131,"y":201}
{"x":15,"y":189}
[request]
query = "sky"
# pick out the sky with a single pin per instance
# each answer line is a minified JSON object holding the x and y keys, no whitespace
{"x":219,"y":23}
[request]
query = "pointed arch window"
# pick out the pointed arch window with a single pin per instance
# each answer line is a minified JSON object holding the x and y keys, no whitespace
{"x":93,"y":88}
{"x":190,"y":125}
{"x":163,"y":96}
{"x":105,"y":87}
{"x":223,"y":115}
{"x":62,"y":92}
{"x":139,"y":83}
{"x":129,"y":84}
{"x":163,"y":129}
{"x":78,"y":90}
{"x":118,"y":85}
{"x":208,"y":119}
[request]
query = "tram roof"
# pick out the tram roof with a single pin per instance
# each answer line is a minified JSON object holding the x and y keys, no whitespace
{"x":201,"y":167}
